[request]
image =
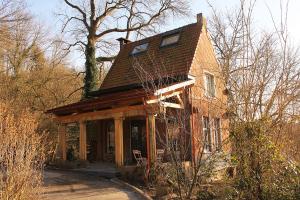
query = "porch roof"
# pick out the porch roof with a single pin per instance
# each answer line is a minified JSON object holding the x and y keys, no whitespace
{"x":132,"y":102}
{"x":105,"y":101}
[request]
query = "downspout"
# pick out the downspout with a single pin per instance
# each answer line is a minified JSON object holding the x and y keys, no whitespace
{"x":192,"y":130}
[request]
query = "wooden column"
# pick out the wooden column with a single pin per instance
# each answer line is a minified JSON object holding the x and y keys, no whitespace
{"x":151,"y":139}
{"x":82,"y":140}
{"x":62,"y":138}
{"x":119,"y":149}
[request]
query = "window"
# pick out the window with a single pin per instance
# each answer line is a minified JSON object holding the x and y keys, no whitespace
{"x":210,"y":85}
{"x":217,"y":134}
{"x":140,"y":48}
{"x":169,"y":39}
{"x":172,"y":134}
{"x":207,"y":135}
{"x":110,"y":138}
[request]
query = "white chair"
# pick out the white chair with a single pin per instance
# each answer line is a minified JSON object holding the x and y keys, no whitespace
{"x":140,"y":161}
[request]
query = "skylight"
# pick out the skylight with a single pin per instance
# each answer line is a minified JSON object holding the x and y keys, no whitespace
{"x":169,"y":40}
{"x":140,"y":48}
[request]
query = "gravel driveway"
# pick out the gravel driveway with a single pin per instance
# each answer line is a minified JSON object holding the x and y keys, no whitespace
{"x":60,"y":185}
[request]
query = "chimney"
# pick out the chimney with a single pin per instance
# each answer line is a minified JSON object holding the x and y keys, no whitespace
{"x":123,"y":41}
{"x":202,"y":21}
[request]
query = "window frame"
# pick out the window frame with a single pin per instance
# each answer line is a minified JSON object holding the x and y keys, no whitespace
{"x":207,"y":146}
{"x":207,"y":94}
{"x":218,"y":134}
{"x":139,"y":52}
{"x":168,"y":36}
{"x":172,"y":134}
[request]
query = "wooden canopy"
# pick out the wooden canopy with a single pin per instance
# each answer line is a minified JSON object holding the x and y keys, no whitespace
{"x":127,"y":103}
{"x":118,"y":106}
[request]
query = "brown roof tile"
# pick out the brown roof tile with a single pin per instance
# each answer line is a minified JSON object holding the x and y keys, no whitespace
{"x":159,"y":61}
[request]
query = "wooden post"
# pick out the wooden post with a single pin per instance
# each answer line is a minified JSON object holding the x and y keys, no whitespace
{"x":151,"y":139}
{"x":119,"y":150}
{"x":82,"y":140}
{"x":62,"y":141}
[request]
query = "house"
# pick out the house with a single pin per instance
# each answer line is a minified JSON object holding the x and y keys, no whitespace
{"x":171,"y":73}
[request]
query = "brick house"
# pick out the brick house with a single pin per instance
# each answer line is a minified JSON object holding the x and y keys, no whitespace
{"x":178,"y":71}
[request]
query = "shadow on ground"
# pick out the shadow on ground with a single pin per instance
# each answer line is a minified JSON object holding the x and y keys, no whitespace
{"x":59,"y":185}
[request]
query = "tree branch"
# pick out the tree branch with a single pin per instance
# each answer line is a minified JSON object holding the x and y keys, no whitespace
{"x":105,"y":59}
{"x":80,"y":10}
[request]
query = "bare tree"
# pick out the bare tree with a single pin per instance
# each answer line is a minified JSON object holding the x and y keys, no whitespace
{"x":34,"y":73}
{"x":183,"y":175}
{"x":92,"y":24}
{"x":261,"y":71}
{"x":12,"y":11}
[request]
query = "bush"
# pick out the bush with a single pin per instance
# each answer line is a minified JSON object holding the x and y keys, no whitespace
{"x":21,"y":155}
{"x":206,"y":195}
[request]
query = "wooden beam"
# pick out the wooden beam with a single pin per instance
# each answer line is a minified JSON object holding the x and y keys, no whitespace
{"x":174,"y":87}
{"x":151,"y":139}
{"x":126,"y":111}
{"x":62,"y":141}
{"x":82,"y":140}
{"x":179,"y":100}
{"x":171,"y":105}
{"x":163,"y":97}
{"x":119,"y":149}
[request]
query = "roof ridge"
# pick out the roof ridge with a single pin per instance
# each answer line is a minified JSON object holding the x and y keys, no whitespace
{"x":162,"y":33}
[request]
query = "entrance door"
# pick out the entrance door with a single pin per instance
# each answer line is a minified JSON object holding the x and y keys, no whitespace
{"x":138,"y":136}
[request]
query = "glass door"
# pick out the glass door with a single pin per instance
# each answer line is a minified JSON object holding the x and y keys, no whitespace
{"x":138,"y":136}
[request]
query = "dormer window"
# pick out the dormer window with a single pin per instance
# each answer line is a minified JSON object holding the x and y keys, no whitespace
{"x":169,"y":39}
{"x":140,"y":48}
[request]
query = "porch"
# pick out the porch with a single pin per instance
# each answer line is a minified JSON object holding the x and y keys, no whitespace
{"x":112,"y":125}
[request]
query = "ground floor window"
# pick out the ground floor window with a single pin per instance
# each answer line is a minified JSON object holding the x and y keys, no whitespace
{"x":207,"y":138}
{"x":110,"y":137}
{"x":173,"y":134}
{"x":138,"y":136}
{"x":217,"y":134}
{"x":212,"y":134}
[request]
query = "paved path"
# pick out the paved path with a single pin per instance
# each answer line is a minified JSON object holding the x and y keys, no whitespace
{"x":60,"y":185}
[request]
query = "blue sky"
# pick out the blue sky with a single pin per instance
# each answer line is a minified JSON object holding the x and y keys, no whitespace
{"x":44,"y":11}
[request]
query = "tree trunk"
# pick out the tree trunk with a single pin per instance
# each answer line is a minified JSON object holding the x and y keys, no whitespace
{"x":91,"y":72}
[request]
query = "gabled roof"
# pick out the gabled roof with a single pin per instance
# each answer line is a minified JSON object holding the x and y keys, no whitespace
{"x":122,"y":85}
{"x":173,"y":60}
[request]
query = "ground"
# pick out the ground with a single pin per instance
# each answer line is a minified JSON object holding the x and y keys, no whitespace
{"x":59,"y":185}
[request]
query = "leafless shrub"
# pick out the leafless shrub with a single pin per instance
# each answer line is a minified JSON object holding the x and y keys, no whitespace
{"x":21,"y":155}
{"x":182,"y":174}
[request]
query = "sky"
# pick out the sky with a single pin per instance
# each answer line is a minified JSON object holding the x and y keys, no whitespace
{"x":44,"y":10}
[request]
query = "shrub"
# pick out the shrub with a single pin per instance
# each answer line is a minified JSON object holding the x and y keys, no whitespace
{"x":21,"y":155}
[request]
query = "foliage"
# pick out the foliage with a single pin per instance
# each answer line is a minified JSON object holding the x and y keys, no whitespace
{"x":262,"y":171}
{"x":34,"y":74}
{"x":206,"y":195}
{"x":261,"y":103}
{"x":21,"y":155}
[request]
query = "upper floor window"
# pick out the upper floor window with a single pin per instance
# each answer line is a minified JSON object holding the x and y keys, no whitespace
{"x":169,"y":39}
{"x":210,"y":90}
{"x":140,"y":48}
